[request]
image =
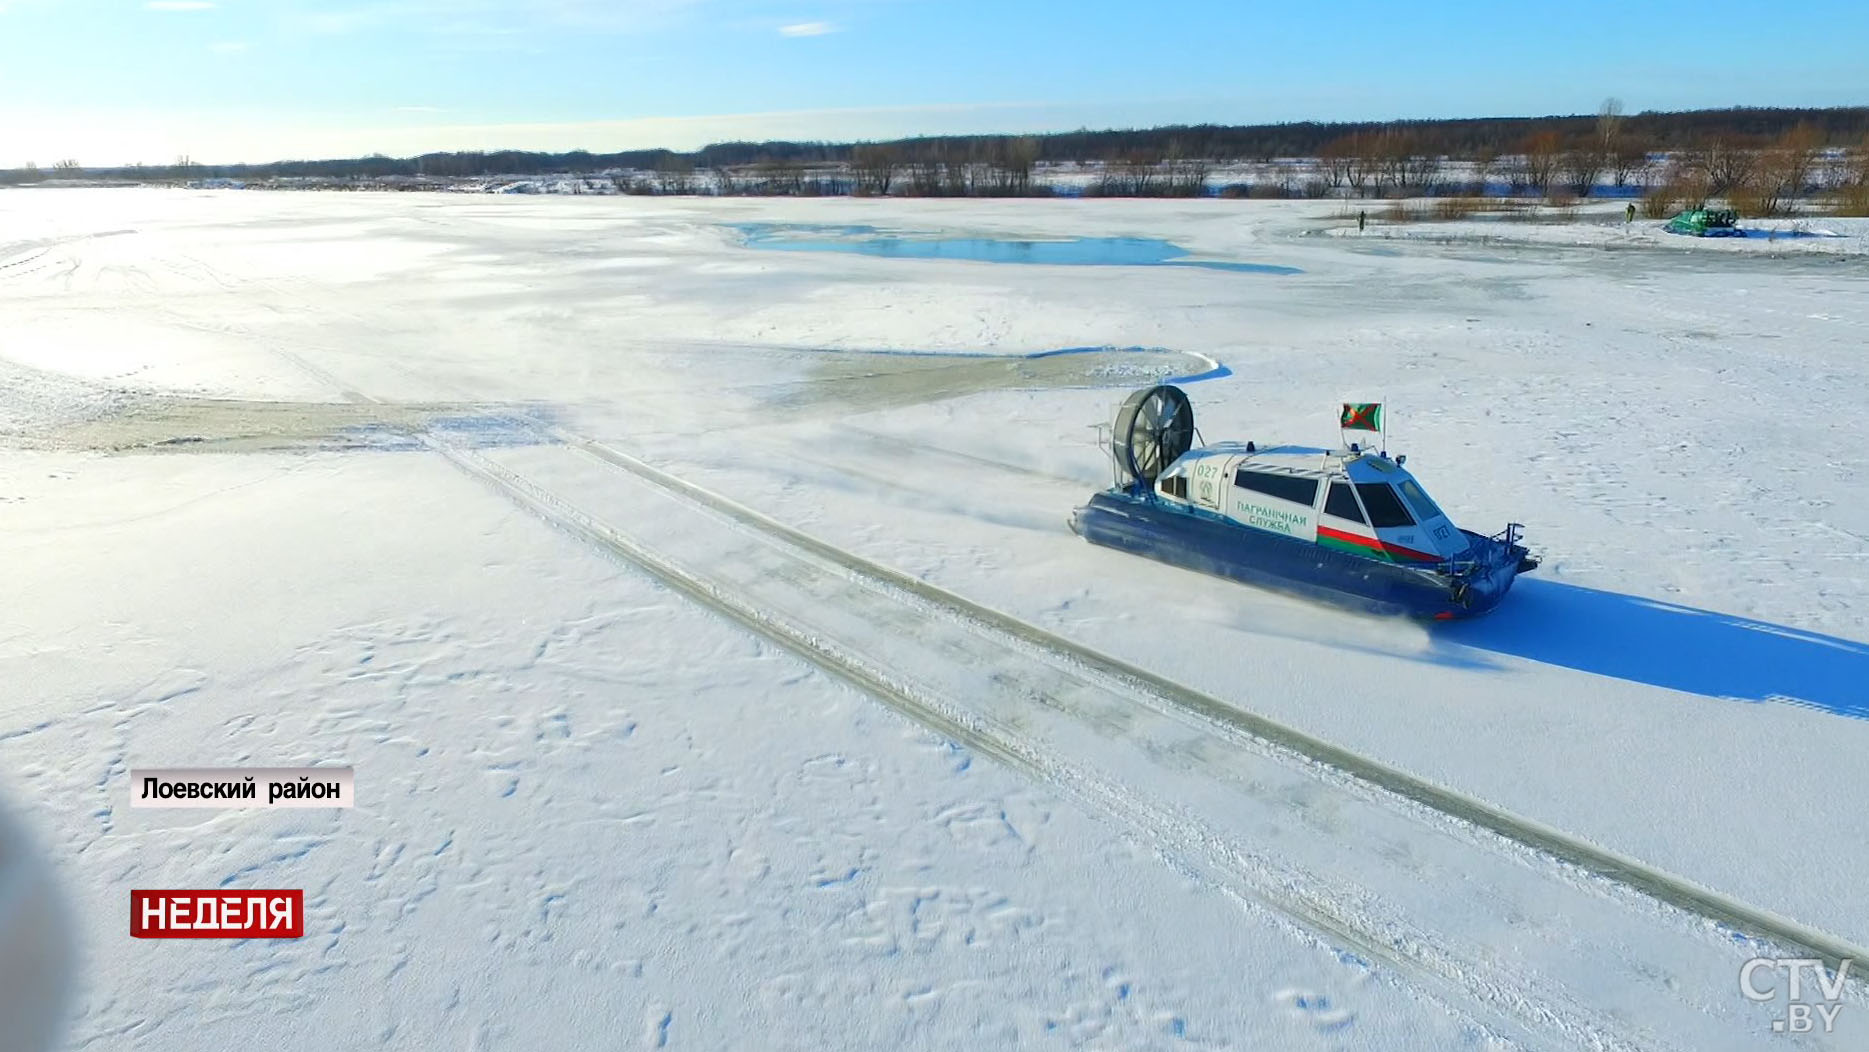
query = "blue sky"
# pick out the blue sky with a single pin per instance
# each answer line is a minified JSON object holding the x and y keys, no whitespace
{"x":108,"y":81}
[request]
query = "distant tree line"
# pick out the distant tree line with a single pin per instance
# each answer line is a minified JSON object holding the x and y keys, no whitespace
{"x":1764,"y":156}
{"x":1459,"y":138}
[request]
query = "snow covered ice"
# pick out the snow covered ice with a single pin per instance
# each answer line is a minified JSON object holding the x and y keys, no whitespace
{"x":347,"y":479}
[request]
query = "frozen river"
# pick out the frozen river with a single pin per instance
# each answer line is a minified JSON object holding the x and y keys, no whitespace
{"x":343,"y":478}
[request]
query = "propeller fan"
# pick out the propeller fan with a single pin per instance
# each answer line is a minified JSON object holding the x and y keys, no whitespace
{"x":1153,"y":428}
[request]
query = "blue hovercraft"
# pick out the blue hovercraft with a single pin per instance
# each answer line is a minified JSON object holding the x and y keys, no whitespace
{"x":1347,"y":526}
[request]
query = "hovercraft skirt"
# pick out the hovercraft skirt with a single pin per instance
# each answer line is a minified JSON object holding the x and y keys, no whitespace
{"x":1212,"y":545}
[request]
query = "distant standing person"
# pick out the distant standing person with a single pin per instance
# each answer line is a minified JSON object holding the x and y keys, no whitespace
{"x":1628,"y":215}
{"x":1361,"y":218}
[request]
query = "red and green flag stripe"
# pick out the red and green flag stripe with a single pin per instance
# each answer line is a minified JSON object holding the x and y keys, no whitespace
{"x":1361,"y":416}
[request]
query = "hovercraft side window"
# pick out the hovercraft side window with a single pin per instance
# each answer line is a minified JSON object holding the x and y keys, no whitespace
{"x":1175,"y":486}
{"x":1417,"y":499}
{"x":1342,"y":503}
{"x":1385,"y":508}
{"x":1284,"y":487}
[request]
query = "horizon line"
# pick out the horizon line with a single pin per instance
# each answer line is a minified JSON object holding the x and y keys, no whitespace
{"x":648,"y":125}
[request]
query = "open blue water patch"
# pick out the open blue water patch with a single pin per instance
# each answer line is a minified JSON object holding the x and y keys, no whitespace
{"x":1751,"y":234}
{"x":1063,"y":252}
{"x":1784,"y":235}
{"x":1647,"y":641}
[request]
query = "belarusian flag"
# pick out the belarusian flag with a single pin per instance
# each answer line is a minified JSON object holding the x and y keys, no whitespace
{"x":1362,"y":416}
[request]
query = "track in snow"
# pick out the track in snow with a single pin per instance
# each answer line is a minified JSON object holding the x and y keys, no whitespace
{"x":1665,"y":887}
{"x":1546,"y":940}
{"x":1542,"y":952}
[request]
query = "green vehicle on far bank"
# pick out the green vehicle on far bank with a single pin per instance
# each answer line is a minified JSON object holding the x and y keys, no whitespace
{"x":1706,"y":222}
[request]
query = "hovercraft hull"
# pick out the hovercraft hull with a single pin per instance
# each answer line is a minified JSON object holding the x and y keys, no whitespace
{"x":1209,"y":544}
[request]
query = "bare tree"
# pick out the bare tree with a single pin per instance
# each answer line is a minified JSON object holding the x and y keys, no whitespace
{"x":1852,"y":197}
{"x":1834,"y":168}
{"x":875,"y":168}
{"x":942,"y":169}
{"x":635,"y":184}
{"x":1686,"y":179}
{"x":1337,"y":160}
{"x":1512,"y":171}
{"x":1420,"y":169}
{"x":1181,"y":174}
{"x":1728,"y":160}
{"x":1136,"y":174}
{"x":1587,"y":159}
{"x":1628,"y":160}
{"x":1581,"y":164}
{"x":66,"y":169}
{"x":998,"y":174}
{"x":1609,"y":125}
{"x":1363,"y":166}
{"x":926,"y":176}
{"x":674,"y":174}
{"x":966,"y":172}
{"x":779,"y":177}
{"x":1187,"y":177}
{"x":1783,"y":171}
{"x":1011,"y":165}
{"x":1023,"y":154}
{"x":1390,"y":152}
{"x":1485,"y":163}
{"x":1542,"y":152}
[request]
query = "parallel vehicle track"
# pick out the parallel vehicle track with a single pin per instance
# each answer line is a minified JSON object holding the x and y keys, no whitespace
{"x":1045,"y":704}
{"x":1523,"y":926}
{"x":1665,"y":887}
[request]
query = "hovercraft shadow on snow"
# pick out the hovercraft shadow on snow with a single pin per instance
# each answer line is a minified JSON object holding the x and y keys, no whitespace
{"x":1347,"y":526}
{"x":1680,"y":648}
